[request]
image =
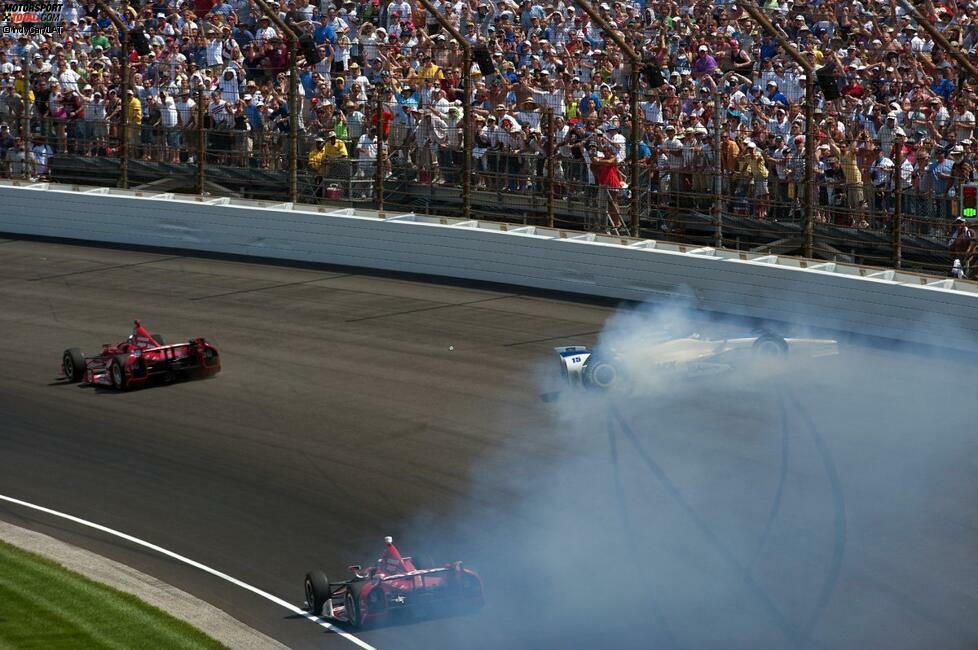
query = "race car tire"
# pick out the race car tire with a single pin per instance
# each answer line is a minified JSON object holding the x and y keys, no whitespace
{"x":159,"y":339}
{"x":73,"y":364}
{"x":770,"y":347}
{"x":376,"y":600}
{"x":603,"y":373}
{"x":470,"y":592}
{"x":117,"y":372}
{"x":317,"y":591}
{"x":352,"y":604}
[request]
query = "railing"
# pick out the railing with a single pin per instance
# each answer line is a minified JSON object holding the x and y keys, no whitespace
{"x":683,"y":201}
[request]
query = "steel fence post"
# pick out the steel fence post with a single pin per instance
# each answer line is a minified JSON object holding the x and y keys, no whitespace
{"x":808,"y":225}
{"x":717,"y":172}
{"x":201,"y":139}
{"x":550,"y":168}
{"x":898,"y":204}
{"x":123,"y":30}
{"x":466,"y":104}
{"x":28,"y":106}
{"x":293,"y":121}
{"x":467,"y":129}
{"x":379,"y":190}
{"x":636,"y":60}
{"x":293,"y":39}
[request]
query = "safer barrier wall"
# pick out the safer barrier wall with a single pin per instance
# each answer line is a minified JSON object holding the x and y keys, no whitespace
{"x":902,"y":306}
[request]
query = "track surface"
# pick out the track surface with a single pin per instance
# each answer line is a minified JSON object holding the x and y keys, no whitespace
{"x":805,"y":513}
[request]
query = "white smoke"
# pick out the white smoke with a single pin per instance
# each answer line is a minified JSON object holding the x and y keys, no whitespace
{"x":829,"y":505}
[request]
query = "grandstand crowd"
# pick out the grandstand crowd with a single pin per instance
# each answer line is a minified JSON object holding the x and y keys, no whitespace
{"x":547,"y":77}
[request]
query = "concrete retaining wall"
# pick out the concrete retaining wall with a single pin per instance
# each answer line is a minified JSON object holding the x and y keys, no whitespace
{"x":863,"y":300}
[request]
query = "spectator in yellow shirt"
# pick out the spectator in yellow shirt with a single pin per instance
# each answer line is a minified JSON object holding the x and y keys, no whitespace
{"x":429,"y":70}
{"x":335,"y":149}
{"x":854,"y":184}
{"x":322,"y":157}
{"x":753,"y":166}
{"x":135,"y":123}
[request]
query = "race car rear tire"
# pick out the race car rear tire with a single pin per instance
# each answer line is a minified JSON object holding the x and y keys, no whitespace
{"x":770,"y":347}
{"x":352,"y":604}
{"x":603,"y":373}
{"x":469,"y":593}
{"x":159,"y":339}
{"x":73,"y":364}
{"x":317,"y":591}
{"x":117,"y":372}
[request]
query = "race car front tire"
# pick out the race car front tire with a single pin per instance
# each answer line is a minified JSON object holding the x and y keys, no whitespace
{"x":117,"y":372}
{"x":73,"y":364}
{"x":352,"y":604}
{"x":317,"y":591}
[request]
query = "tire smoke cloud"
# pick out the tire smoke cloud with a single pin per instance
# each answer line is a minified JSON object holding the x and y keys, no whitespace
{"x":830,"y":504}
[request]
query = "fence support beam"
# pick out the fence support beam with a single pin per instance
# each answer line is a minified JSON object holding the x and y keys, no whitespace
{"x":636,"y":134}
{"x":123,"y":30}
{"x":28,"y":109}
{"x":898,"y":204}
{"x":939,"y":38}
{"x":550,"y":167}
{"x":201,"y":138}
{"x":717,"y":172}
{"x":380,"y":150}
{"x":466,"y":104}
{"x":808,"y":225}
{"x":293,"y":42}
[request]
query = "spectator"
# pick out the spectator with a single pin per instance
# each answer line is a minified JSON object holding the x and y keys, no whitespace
{"x":720,"y":72}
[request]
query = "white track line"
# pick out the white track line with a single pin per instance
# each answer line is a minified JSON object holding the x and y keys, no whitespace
{"x":214,"y":572}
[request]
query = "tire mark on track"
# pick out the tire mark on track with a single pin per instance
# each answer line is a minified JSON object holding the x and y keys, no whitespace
{"x":271,"y":286}
{"x":104,"y":268}
{"x":839,"y":507}
{"x":630,"y":535}
{"x":422,"y":309}
{"x":782,"y":478}
{"x":552,"y":338}
{"x":789,"y":630}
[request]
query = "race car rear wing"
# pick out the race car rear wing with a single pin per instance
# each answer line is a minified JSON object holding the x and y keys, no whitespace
{"x":572,"y":359}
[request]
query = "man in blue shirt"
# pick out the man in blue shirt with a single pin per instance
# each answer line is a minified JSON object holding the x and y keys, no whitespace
{"x":943,"y":86}
{"x":324,"y":32}
{"x":406,"y":100}
{"x":775,"y":95}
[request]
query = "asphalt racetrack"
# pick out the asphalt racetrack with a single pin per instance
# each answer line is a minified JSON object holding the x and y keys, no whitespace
{"x":832,"y":507}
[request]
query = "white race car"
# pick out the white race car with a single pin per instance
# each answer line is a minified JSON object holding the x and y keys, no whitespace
{"x":693,"y":355}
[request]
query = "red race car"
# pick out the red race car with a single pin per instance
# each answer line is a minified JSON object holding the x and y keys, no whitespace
{"x":140,"y":358}
{"x":395,"y":584}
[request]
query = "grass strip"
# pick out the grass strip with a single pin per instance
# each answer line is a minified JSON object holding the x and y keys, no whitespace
{"x":44,"y":605}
